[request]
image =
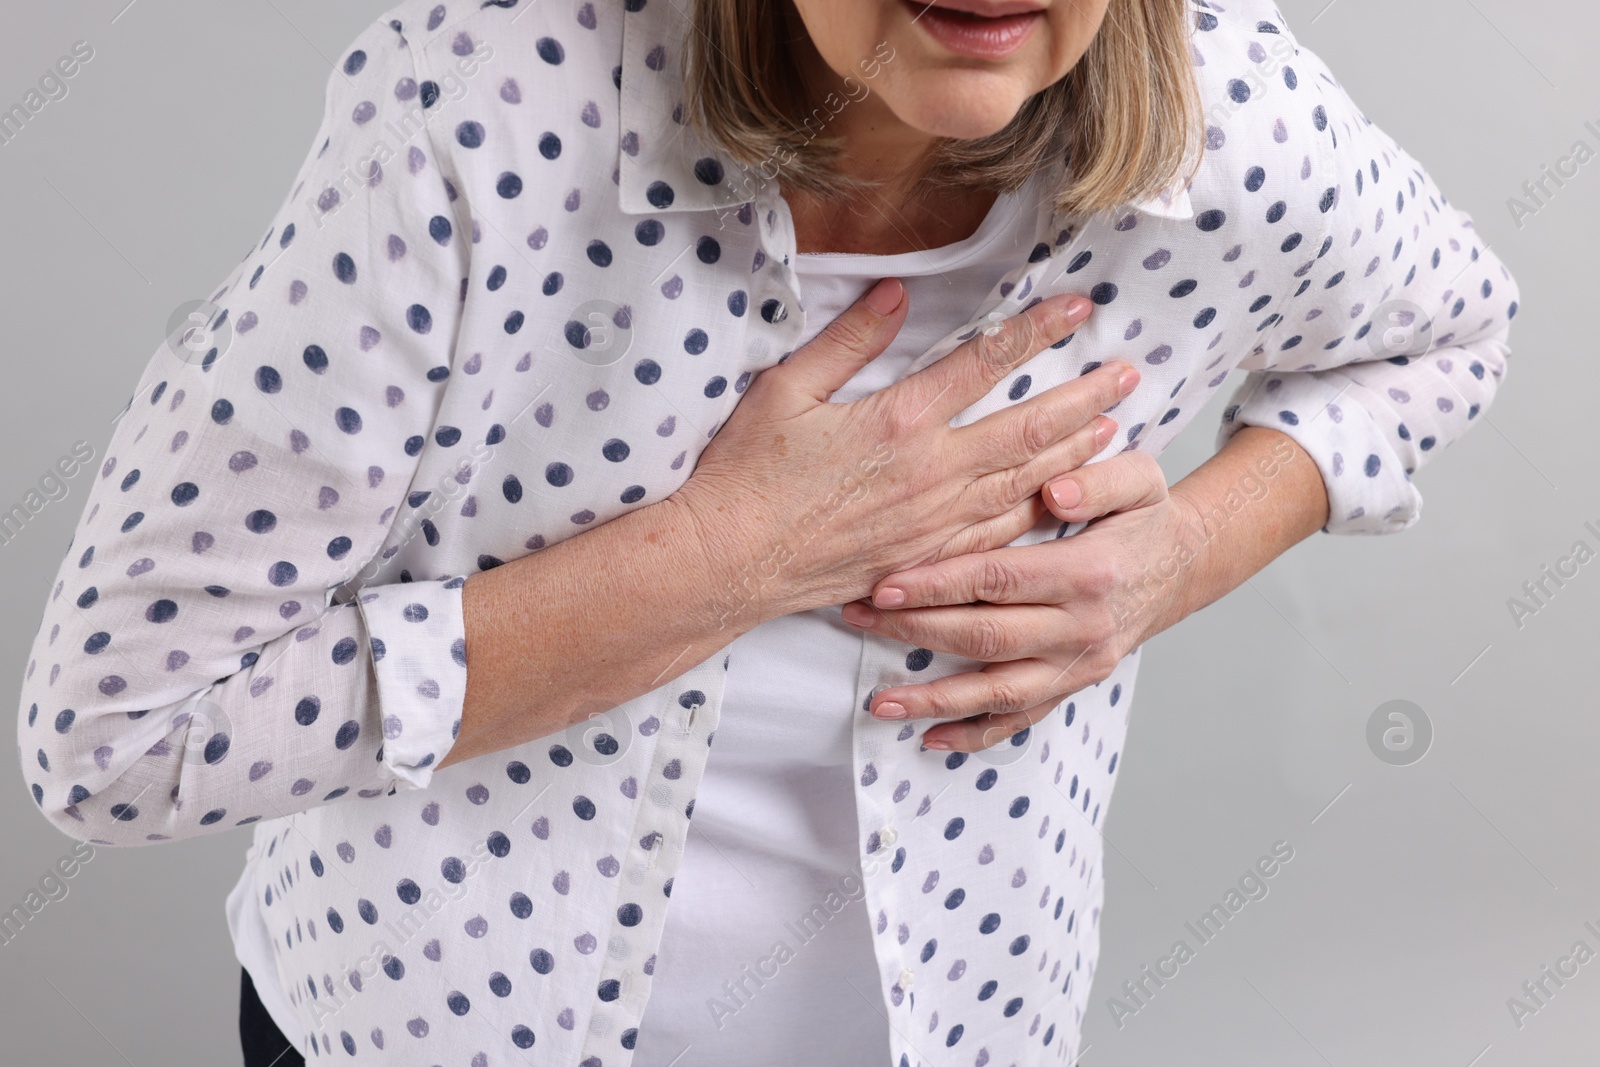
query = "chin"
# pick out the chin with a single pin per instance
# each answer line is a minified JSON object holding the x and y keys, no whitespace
{"x":965,"y":108}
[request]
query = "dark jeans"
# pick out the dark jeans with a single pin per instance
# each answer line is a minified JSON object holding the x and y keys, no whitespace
{"x":263,"y":1043}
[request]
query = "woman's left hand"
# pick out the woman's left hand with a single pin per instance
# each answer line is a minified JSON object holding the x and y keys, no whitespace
{"x":1049,"y":619}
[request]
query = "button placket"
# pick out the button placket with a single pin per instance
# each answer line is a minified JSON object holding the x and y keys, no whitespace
{"x":652,"y":843}
{"x":664,"y":799}
{"x":876,"y":746}
{"x":689,"y":716}
{"x":776,"y":280}
{"x":880,"y":746}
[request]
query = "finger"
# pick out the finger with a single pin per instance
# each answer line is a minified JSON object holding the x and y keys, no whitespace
{"x":987,"y":632}
{"x":997,"y":689}
{"x":1002,"y":488}
{"x":1125,"y":482}
{"x":951,"y":385}
{"x":858,"y":336}
{"x":987,"y":731}
{"x":995,"y":532}
{"x":1017,"y":434}
{"x":1046,"y":573}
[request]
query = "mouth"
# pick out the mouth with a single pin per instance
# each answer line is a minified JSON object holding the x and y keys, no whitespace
{"x":981,"y":29}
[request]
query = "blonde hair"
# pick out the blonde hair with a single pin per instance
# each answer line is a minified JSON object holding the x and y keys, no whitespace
{"x":1126,"y":117}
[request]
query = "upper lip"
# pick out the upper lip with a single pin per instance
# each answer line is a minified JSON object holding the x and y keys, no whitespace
{"x":987,"y":8}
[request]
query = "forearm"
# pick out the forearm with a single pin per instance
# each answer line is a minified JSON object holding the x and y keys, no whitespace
{"x":590,"y":623}
{"x":1258,"y":496}
{"x":789,"y":509}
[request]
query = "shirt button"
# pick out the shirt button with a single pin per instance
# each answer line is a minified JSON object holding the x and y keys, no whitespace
{"x":905,"y":977}
{"x":887,"y":837}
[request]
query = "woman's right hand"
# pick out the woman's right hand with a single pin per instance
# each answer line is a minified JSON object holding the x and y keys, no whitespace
{"x":804,"y":503}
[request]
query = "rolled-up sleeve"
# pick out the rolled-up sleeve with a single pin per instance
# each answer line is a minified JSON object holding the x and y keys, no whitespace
{"x":1395,"y":339}
{"x":213,"y":649}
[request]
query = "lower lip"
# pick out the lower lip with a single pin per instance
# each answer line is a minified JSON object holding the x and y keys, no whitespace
{"x":981,"y":38}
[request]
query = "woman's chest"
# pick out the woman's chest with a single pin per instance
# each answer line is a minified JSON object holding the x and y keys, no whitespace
{"x":601,"y":350}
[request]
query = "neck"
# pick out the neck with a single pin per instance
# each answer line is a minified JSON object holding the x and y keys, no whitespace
{"x":890,"y":216}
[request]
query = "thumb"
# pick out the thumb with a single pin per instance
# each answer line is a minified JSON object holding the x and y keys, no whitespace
{"x":1126,"y":481}
{"x":848,"y":343}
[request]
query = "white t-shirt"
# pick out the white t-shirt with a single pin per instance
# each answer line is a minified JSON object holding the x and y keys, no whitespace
{"x":767,"y":952}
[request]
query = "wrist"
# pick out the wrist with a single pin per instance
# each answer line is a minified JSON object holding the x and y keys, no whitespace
{"x":1242,"y":508}
{"x":1160,"y":596}
{"x":737,"y":587}
{"x":1195,"y":576}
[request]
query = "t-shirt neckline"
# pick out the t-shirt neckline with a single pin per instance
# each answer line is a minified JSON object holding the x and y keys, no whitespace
{"x":1000,"y":220}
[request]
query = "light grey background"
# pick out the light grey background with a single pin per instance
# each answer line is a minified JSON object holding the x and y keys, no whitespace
{"x":1415,"y":904}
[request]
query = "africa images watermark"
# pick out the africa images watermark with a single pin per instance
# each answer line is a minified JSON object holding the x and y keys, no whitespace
{"x":421,"y":906}
{"x":52,"y":87}
{"x":1253,"y":84}
{"x":1552,"y":579}
{"x":744,"y":585}
{"x":52,"y":487}
{"x":1399,"y":732}
{"x":52,"y":886}
{"x":730,"y":194}
{"x":738,"y":992}
{"x":1536,"y":992}
{"x":1250,"y":489}
{"x":368,"y":170}
{"x":1538,"y":191}
{"x":1252,"y":886}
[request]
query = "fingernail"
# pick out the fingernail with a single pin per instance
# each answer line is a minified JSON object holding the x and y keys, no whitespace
{"x":890,"y":710}
{"x":858,"y":614}
{"x":1127,"y":380}
{"x":1103,"y":429}
{"x":942,"y":746}
{"x":885,"y":296}
{"x":889,"y":597}
{"x":1078,"y":310}
{"x":1066,"y":493}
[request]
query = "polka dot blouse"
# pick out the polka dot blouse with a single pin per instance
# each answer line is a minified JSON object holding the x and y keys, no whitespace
{"x":510,"y":297}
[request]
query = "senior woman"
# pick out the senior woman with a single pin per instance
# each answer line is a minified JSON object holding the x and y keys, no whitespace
{"x":733,"y":370}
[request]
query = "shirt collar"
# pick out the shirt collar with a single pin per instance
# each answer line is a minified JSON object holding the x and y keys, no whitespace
{"x":663,"y":165}
{"x":1173,"y":203}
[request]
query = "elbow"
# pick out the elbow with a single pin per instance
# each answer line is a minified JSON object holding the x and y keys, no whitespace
{"x":70,"y":820}
{"x":75,"y":787}
{"x":1500,"y":299}
{"x":1509,"y":292}
{"x":45,"y":762}
{"x":85,"y":818}
{"x":60,"y":811}
{"x":104,"y":774}
{"x":140,"y":804}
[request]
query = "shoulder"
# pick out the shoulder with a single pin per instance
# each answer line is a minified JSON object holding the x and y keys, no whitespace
{"x":426,"y":39}
{"x":1261,"y":16}
{"x":483,"y":64}
{"x":570,"y":36}
{"x":1245,"y":54}
{"x":1266,"y":116}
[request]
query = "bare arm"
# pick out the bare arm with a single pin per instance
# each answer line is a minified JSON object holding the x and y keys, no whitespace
{"x":586,"y":624}
{"x":1294,"y":507}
